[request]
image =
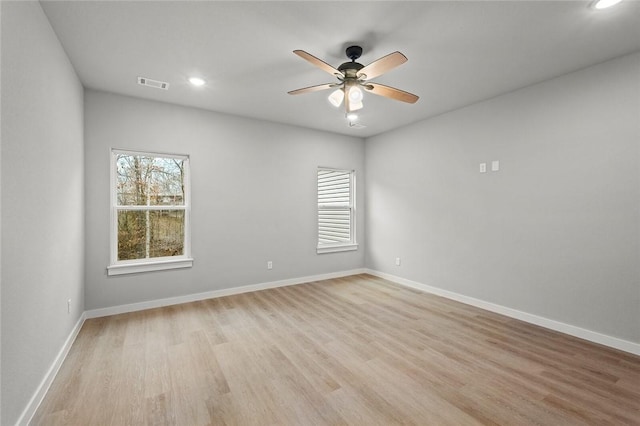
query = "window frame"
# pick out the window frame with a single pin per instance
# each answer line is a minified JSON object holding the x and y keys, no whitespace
{"x":131,"y":266}
{"x":343,"y":246}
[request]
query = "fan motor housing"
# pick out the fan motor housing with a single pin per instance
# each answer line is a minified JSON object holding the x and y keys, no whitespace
{"x":354,"y":66}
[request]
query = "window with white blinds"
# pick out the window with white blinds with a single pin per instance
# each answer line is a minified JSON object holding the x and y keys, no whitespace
{"x":336,"y":210}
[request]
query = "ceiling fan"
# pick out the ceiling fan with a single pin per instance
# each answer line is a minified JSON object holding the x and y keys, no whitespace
{"x":353,"y":77}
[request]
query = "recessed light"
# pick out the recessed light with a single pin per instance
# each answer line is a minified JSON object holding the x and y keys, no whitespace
{"x":604,"y":4}
{"x":196,"y":81}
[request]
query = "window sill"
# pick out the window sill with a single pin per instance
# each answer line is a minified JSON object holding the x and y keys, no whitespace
{"x":158,"y":265}
{"x":336,"y":248}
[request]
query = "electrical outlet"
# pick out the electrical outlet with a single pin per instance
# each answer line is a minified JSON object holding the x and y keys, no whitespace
{"x":69,"y":306}
{"x":483,"y":167}
{"x":269,"y":264}
{"x":397,"y":261}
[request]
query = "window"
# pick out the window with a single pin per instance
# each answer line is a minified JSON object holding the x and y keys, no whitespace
{"x":336,"y":210}
{"x":150,"y":205}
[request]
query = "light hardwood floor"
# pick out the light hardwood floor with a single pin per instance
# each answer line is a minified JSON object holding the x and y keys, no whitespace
{"x":357,"y":350}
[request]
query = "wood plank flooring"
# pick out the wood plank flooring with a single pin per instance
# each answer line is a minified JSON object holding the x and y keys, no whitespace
{"x":357,"y":350}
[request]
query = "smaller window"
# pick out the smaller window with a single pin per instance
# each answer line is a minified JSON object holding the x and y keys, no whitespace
{"x":336,"y":210}
{"x":150,"y":205}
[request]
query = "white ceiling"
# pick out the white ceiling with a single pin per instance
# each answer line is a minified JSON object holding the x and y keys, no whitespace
{"x":460,"y":52}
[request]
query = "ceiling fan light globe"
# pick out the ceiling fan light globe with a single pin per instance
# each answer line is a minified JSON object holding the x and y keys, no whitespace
{"x":355,"y":95}
{"x":336,"y":98}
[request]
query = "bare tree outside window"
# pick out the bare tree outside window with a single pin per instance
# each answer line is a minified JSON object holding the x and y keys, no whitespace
{"x":150,"y":205}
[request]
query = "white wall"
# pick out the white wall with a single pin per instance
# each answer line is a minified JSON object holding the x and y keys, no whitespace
{"x":253,"y":190}
{"x":42,"y":202}
{"x":554,"y":233}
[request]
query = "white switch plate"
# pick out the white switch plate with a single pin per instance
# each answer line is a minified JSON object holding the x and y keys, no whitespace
{"x":495,"y":166}
{"x":269,"y":265}
{"x":483,"y":167}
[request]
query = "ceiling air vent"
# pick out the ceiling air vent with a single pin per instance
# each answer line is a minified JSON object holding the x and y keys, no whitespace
{"x":153,"y":83}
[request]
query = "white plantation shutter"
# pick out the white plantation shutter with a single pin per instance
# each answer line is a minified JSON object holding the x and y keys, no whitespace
{"x":335,"y":207}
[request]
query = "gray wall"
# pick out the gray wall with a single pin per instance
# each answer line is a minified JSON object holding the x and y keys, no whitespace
{"x":253,"y":190}
{"x":554,"y":233}
{"x":42,"y":202}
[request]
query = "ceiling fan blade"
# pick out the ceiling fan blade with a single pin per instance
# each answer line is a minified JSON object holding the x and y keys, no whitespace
{"x":382,"y":65}
{"x":391,"y":92}
{"x":313,"y":88}
{"x":318,"y":62}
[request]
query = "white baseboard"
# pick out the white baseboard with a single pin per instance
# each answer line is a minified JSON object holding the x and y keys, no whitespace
{"x":41,"y":391}
{"x":592,"y":336}
{"x":158,"y":303}
{"x":582,"y":333}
